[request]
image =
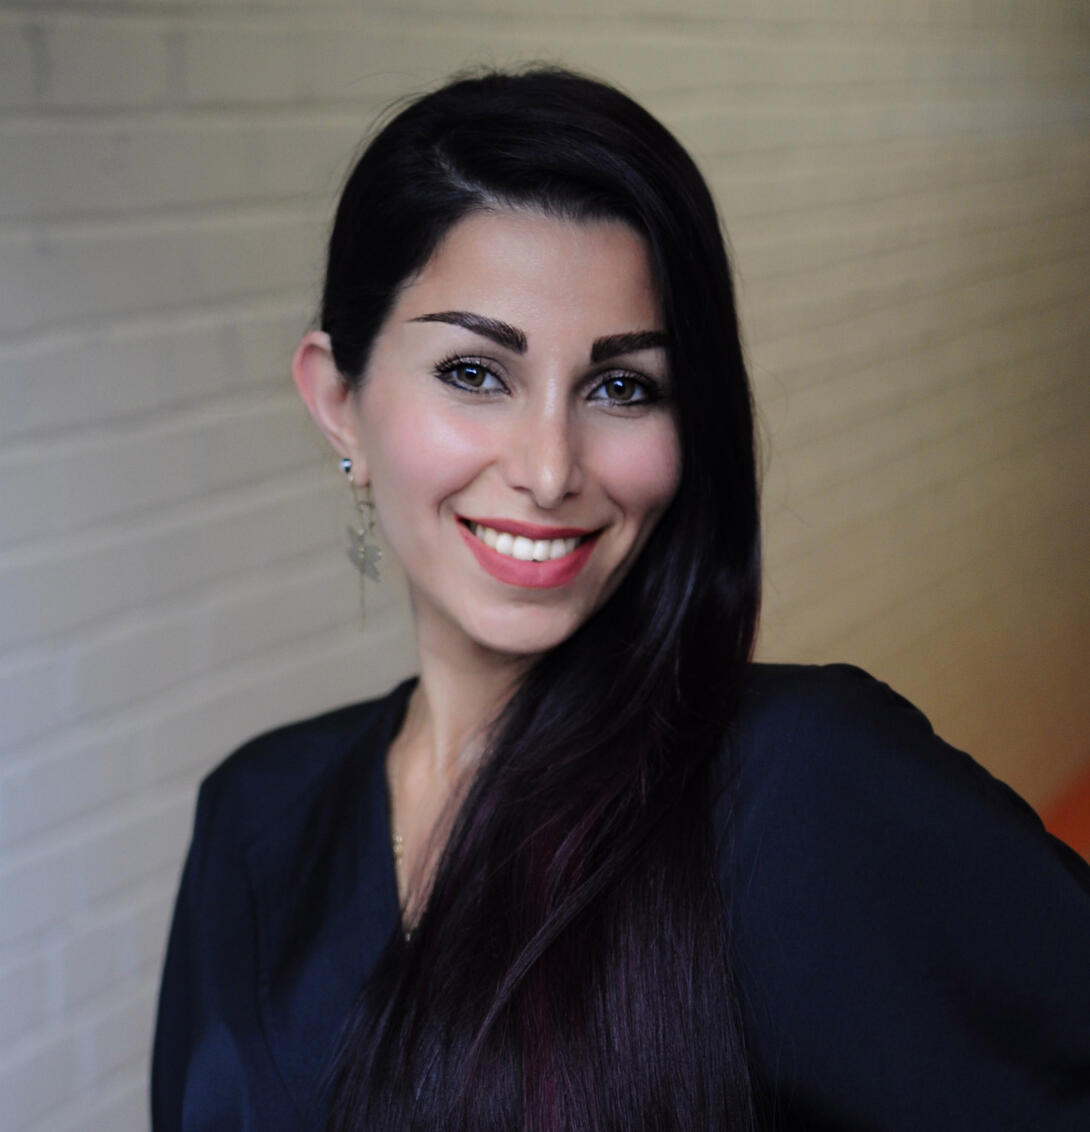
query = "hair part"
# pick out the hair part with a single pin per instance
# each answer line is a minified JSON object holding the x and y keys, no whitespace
{"x":572,"y":967}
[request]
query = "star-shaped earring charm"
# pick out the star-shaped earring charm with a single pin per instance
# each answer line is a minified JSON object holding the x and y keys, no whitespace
{"x":363,"y":553}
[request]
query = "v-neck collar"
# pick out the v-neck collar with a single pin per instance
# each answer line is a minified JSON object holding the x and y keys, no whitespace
{"x":326,"y":903}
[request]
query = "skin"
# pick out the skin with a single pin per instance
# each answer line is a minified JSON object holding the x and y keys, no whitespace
{"x":541,"y":434}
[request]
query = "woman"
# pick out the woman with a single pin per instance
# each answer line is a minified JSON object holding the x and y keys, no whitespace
{"x":593,"y":869}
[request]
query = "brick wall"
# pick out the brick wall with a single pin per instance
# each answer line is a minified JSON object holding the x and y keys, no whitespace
{"x":906,"y":187}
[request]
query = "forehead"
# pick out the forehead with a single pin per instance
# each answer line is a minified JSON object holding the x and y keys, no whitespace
{"x":533,"y":270}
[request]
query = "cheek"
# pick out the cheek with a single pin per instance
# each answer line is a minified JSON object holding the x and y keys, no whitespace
{"x":642,"y":474}
{"x":419,"y":454}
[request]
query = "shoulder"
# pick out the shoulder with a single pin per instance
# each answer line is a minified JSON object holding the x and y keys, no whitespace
{"x":842,"y":781}
{"x":268,"y":777}
{"x":821,"y":706}
{"x":911,"y":941}
{"x":259,"y":963}
{"x":835,"y":735}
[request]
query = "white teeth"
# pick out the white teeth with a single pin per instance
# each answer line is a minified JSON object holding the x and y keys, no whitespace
{"x":522,"y":548}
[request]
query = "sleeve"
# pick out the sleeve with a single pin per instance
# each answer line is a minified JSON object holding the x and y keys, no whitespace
{"x":914,"y":947}
{"x":210,"y":1062}
{"x":176,"y":1024}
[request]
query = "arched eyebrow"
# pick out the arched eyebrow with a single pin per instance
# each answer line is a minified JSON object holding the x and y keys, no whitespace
{"x":501,"y":333}
{"x":511,"y":338}
{"x":614,"y":345}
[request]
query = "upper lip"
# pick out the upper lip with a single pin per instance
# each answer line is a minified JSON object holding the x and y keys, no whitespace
{"x":530,"y":530}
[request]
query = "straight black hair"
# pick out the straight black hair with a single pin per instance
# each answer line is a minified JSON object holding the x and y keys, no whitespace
{"x":572,"y":966}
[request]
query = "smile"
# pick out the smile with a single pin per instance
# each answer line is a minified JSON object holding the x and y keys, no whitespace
{"x":527,"y":555}
{"x":521,"y":547}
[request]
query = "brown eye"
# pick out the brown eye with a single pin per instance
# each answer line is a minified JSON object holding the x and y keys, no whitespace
{"x":470,"y":376}
{"x":621,"y":389}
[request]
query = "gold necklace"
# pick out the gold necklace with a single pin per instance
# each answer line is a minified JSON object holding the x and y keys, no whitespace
{"x":397,"y":848}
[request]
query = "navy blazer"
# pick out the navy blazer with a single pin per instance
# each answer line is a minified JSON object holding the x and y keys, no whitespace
{"x":913,"y":948}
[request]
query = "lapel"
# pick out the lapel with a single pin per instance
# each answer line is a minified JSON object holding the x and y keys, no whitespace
{"x":326,"y":905}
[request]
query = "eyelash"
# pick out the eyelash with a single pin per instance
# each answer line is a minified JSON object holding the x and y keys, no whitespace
{"x":652,"y":391}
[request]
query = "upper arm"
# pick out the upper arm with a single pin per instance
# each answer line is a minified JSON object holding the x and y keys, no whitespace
{"x":175,"y":1026}
{"x":914,"y":945}
{"x":204,"y":1066}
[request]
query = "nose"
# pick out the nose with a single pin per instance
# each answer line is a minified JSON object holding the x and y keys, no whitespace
{"x":544,"y":457}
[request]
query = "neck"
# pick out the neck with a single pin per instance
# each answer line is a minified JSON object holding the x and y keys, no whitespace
{"x":462,"y":688}
{"x":431,"y":761}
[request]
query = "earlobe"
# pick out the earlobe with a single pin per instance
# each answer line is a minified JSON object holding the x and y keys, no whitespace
{"x":329,"y":398}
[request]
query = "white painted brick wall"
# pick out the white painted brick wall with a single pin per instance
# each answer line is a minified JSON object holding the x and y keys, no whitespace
{"x":907,"y":189}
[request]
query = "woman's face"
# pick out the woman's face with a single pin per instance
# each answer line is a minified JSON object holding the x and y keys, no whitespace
{"x":516,"y":423}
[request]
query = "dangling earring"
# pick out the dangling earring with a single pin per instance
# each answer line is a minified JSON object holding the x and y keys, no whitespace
{"x":363,"y":551}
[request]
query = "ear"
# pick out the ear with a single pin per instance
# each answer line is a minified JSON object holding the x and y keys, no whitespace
{"x":329,"y":398}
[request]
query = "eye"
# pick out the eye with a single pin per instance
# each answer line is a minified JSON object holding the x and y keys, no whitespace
{"x":624,"y":389}
{"x":470,"y":375}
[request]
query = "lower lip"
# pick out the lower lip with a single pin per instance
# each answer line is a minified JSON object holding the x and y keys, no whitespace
{"x":531,"y":575}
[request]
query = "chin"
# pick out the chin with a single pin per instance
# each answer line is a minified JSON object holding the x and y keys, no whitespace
{"x":526,"y":636}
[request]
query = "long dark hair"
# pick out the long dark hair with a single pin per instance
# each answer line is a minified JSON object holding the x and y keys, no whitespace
{"x":571,"y":969}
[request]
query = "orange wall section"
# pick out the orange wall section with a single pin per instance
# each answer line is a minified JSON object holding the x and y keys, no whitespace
{"x":1068,"y":815}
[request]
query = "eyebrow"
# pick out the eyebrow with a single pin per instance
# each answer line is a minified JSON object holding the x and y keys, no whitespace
{"x":514,"y":339}
{"x":614,"y":344}
{"x":500,"y":332}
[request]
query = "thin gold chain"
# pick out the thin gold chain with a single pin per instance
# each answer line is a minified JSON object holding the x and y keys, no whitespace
{"x":397,"y":848}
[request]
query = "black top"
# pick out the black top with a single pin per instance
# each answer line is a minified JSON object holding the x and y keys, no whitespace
{"x":914,"y":948}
